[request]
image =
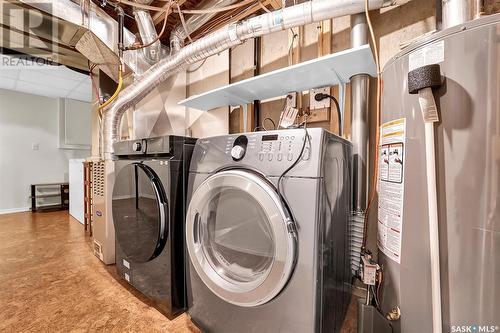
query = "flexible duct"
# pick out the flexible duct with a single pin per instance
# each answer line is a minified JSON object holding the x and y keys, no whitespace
{"x":218,"y":41}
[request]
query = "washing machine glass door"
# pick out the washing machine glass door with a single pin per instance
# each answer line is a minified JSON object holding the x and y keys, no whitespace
{"x":140,"y":212}
{"x":240,"y":238}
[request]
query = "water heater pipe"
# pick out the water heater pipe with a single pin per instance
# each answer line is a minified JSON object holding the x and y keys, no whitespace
{"x":430,"y":158}
{"x":421,"y":81}
{"x":218,"y":41}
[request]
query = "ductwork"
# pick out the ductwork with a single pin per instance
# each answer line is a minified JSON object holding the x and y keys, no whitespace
{"x":218,"y":41}
{"x":360,"y":87}
{"x":147,"y":31}
{"x":86,"y":27}
{"x":179,"y":34}
{"x":148,"y":34}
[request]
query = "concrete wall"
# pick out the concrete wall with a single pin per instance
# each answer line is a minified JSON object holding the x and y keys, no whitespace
{"x":27,"y":120}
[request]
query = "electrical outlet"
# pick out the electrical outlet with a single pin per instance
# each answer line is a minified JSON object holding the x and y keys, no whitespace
{"x":35,"y":146}
{"x":293,"y":99}
{"x":314,"y":104}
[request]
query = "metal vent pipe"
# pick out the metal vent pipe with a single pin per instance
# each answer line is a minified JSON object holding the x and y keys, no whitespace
{"x":456,"y":12}
{"x":360,"y":86}
{"x":147,"y":31}
{"x":218,"y":41}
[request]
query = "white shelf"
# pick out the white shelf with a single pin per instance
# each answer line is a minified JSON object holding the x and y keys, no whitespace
{"x":330,"y":70}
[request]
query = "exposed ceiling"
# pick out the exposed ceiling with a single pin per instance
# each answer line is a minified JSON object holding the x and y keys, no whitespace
{"x":173,"y":18}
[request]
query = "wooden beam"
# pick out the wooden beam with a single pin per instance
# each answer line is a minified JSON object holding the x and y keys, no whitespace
{"x":158,"y":17}
{"x":276,"y":4}
{"x":249,"y":11}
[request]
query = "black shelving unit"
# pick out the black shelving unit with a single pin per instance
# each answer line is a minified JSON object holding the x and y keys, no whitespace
{"x":62,"y":194}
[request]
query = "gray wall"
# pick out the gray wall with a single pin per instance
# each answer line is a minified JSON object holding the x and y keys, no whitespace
{"x":26,"y":120}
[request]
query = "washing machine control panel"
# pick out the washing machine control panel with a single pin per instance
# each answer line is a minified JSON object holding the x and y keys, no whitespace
{"x":237,"y":152}
{"x":277,"y":147}
{"x":267,"y":147}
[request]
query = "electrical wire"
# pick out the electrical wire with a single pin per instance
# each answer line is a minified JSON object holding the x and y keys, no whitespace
{"x":197,"y":67}
{"x":217,"y":9}
{"x":294,"y":35}
{"x":321,"y":96}
{"x":377,"y":304}
{"x":379,"y":284}
{"x":186,"y":11}
{"x":140,"y":5}
{"x":339,"y":114}
{"x":264,"y":127}
{"x":183,"y":22}
{"x":272,"y":122}
{"x":377,"y":126}
{"x":299,"y":158}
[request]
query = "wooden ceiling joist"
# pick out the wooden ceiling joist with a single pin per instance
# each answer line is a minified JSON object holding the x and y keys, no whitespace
{"x":173,"y":18}
{"x":160,"y":16}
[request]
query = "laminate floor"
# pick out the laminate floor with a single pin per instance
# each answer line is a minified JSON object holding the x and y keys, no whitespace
{"x":51,"y":282}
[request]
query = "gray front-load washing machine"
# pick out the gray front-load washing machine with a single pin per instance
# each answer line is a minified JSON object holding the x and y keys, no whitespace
{"x":266,"y":232}
{"x":149,"y":206}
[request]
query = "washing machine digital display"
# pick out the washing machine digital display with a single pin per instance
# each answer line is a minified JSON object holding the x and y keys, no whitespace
{"x":273,"y":137}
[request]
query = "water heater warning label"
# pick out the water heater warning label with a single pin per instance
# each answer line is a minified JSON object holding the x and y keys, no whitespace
{"x":391,"y":187}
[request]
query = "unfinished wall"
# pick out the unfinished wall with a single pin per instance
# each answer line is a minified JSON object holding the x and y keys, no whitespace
{"x":394,"y":26}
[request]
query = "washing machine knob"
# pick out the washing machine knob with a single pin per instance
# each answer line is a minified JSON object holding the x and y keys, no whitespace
{"x":137,"y":146}
{"x":237,"y":152}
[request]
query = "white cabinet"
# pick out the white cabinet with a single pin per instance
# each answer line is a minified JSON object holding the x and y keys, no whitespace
{"x":76,"y":189}
{"x":74,"y":124}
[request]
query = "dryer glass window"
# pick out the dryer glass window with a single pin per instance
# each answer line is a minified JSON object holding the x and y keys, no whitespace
{"x":138,"y":201}
{"x":237,"y":238}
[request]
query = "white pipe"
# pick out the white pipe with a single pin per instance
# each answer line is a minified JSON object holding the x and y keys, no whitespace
{"x":430,"y":158}
{"x":218,"y":41}
{"x":430,"y":116}
{"x":456,"y":12}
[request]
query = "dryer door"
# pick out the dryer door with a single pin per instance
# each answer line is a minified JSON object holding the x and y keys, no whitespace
{"x":140,"y":212}
{"x":240,"y":237}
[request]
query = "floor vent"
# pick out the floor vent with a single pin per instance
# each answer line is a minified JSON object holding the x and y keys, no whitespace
{"x":98,"y":250}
